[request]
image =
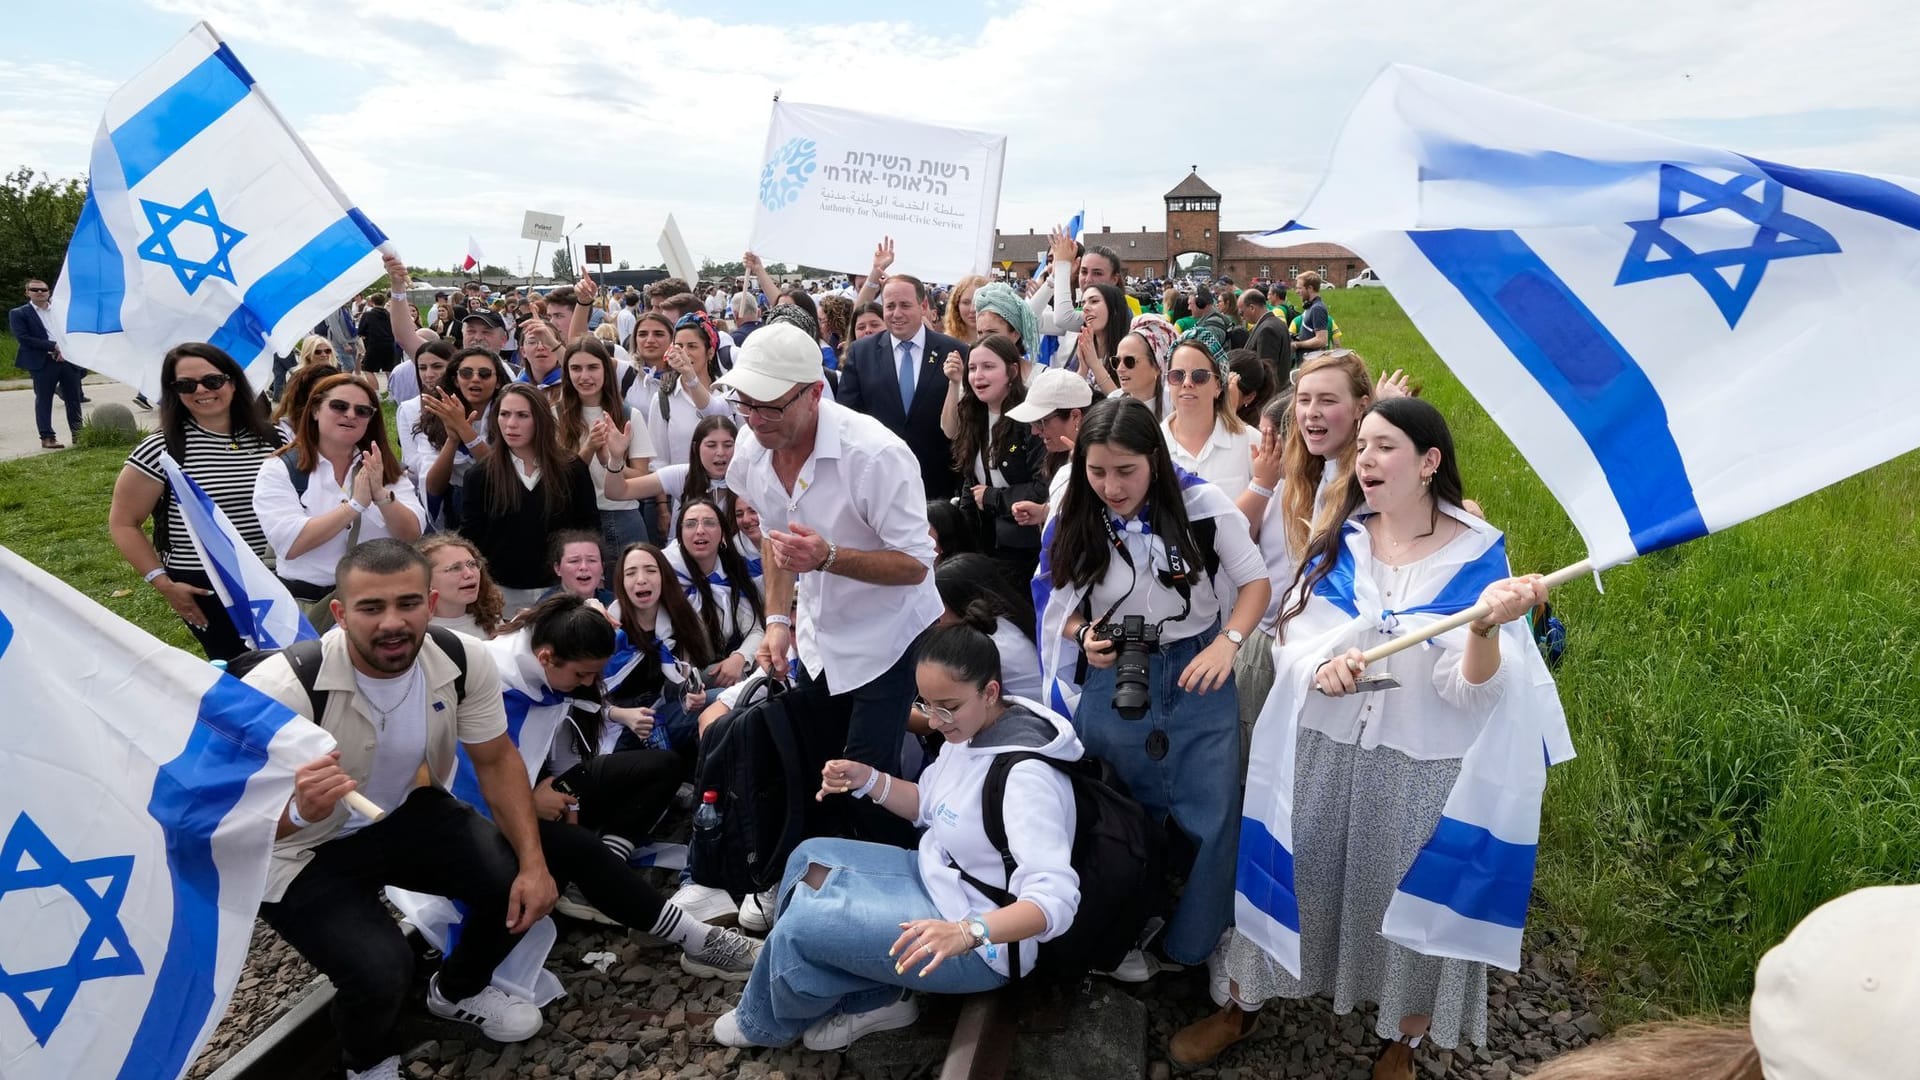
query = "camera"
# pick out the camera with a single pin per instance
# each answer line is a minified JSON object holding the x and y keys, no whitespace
{"x":1135,"y":641}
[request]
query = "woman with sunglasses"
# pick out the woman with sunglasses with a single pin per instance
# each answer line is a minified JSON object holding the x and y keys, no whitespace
{"x":1204,"y":437}
{"x":528,"y":488}
{"x":466,"y":599}
{"x":316,"y":349}
{"x":336,"y":485}
{"x":453,"y":422}
{"x":212,"y":426}
{"x":1140,"y":362}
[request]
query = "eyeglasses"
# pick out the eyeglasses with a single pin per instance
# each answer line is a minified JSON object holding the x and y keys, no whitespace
{"x":37,"y":288}
{"x":209,"y":382}
{"x":943,"y":715}
{"x":362,"y":412}
{"x":322,"y":352}
{"x":475,"y":373}
{"x":462,"y":567}
{"x":768,"y":413}
{"x":1131,"y":362}
{"x":1199,"y":377}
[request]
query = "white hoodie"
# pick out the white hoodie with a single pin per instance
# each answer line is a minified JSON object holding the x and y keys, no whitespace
{"x":1039,"y":812}
{"x":534,"y":710}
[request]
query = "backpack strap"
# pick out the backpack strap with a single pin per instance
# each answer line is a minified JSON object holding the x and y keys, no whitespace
{"x":450,"y":643}
{"x":304,"y":658}
{"x":993,"y":815}
{"x":777,"y":721}
{"x":299,"y":478}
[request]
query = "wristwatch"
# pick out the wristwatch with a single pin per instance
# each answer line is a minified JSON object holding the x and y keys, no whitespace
{"x":1234,"y":636}
{"x":977,"y":926}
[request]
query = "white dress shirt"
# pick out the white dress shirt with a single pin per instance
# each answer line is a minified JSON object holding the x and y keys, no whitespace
{"x":861,"y":489}
{"x":283,"y":513}
{"x":919,"y":340}
{"x":1225,"y":460}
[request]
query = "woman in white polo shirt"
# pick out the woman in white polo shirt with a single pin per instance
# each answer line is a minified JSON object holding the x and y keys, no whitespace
{"x":1203,"y":436}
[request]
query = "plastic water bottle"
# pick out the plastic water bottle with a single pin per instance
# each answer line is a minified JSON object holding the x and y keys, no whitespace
{"x":706,"y":820}
{"x":219,"y":665}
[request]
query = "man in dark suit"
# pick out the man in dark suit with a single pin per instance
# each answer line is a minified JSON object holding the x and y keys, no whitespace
{"x":1268,"y":335}
{"x":40,"y":357}
{"x":897,"y":379}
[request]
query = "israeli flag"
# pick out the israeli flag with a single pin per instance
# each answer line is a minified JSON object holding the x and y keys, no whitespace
{"x":136,"y":824}
{"x":207,"y":219}
{"x":1647,"y":319}
{"x":1466,"y":894}
{"x":262,"y":609}
{"x":1050,"y":344}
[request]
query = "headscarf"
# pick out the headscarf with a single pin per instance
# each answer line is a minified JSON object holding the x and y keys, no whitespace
{"x":999,"y":298}
{"x":1204,"y":338}
{"x":796,"y":316}
{"x":1158,"y":333}
{"x":698,"y":320}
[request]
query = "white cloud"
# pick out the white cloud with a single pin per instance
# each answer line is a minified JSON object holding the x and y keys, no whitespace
{"x":616,"y":114}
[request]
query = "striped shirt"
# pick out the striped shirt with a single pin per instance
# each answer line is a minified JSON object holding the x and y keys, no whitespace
{"x":225,"y":467}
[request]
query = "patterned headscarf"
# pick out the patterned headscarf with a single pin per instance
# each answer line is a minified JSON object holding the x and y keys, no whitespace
{"x":1203,"y":338}
{"x":1158,"y":333}
{"x":698,"y":320}
{"x":795,"y":315}
{"x":999,"y":298}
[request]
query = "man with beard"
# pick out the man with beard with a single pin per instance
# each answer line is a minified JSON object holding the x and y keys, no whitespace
{"x":397,"y":703}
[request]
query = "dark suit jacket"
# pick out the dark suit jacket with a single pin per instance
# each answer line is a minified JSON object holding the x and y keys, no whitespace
{"x":1020,"y":457}
{"x":36,"y":346}
{"x":1269,"y":339}
{"x":870,"y":383}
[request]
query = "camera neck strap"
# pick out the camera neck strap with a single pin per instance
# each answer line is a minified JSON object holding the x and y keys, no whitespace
{"x":1177,"y":576}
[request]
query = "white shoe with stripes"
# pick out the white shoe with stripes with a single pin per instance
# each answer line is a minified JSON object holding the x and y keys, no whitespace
{"x":499,"y":1017}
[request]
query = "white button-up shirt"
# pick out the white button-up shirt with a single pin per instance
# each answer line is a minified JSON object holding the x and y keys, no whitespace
{"x":1225,"y":461}
{"x":860,"y":489}
{"x":283,"y":513}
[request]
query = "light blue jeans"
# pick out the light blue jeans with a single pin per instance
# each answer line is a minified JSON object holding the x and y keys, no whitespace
{"x":827,"y":953}
{"x":1197,"y":784}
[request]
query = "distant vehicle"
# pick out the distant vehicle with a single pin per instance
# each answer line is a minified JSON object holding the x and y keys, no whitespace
{"x":1366,"y":279}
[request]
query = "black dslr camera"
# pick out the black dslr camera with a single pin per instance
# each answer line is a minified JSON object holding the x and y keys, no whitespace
{"x":1136,"y":639}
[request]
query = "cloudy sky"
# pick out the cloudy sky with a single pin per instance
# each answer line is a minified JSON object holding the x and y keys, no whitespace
{"x":453,"y":118}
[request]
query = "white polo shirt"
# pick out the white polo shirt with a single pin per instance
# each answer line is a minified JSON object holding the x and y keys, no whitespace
{"x":1225,"y":461}
{"x":861,"y":489}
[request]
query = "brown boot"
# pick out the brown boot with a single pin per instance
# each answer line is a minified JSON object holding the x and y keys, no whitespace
{"x":1395,"y":1064}
{"x":1203,"y":1040}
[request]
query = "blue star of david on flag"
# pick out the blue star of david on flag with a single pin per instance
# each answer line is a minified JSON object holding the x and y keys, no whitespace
{"x":29,"y":860}
{"x":1779,"y":235}
{"x":159,"y":247}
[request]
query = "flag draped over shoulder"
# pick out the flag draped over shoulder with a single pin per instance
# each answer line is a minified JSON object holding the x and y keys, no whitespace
{"x":136,"y":823}
{"x":207,"y":219}
{"x":1640,"y":315}
{"x":262,"y":609}
{"x":1466,"y":893}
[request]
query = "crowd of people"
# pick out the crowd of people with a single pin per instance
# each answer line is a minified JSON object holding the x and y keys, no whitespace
{"x":957,"y":524}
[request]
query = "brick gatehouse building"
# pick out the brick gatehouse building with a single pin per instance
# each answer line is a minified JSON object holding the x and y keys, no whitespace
{"x":1192,"y":227}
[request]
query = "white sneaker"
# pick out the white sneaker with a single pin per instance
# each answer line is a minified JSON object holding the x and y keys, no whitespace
{"x":839,"y":1031}
{"x":1219,"y":986}
{"x":499,"y":1017}
{"x":706,"y":904}
{"x":726,"y":1031}
{"x":386,"y":1070}
{"x":1136,"y":967}
{"x":757,"y":911}
{"x":727,"y":954}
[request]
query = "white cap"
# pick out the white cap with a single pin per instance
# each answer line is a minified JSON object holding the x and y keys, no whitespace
{"x":1829,"y":1001}
{"x":1053,"y":388}
{"x":775,"y":359}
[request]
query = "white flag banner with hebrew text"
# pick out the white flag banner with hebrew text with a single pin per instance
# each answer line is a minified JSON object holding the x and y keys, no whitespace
{"x":836,"y":181}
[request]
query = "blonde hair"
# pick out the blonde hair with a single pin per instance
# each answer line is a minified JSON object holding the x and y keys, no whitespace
{"x":304,"y":350}
{"x":1301,"y":469}
{"x":954,"y":327}
{"x":1687,"y":1050}
{"x":606,"y":332}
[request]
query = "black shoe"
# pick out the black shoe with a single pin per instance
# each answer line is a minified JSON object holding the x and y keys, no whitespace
{"x":141,"y":400}
{"x":85,"y":400}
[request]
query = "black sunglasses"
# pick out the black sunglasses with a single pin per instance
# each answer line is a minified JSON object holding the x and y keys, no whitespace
{"x":37,"y":288}
{"x":207,"y":382}
{"x":1200,"y":376}
{"x":1131,"y":362}
{"x":474,"y":373}
{"x":364,"y":412}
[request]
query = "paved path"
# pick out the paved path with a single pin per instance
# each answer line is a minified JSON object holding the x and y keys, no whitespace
{"x":19,"y":437}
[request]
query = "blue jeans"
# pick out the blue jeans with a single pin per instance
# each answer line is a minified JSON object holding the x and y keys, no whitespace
{"x":618,"y":528}
{"x":60,"y":380}
{"x":827,"y":953}
{"x":1197,"y":784}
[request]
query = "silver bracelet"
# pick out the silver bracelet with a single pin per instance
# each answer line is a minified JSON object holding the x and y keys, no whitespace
{"x":833,"y":552}
{"x":886,"y":789}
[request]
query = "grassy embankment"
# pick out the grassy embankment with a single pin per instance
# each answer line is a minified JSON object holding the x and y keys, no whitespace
{"x":1744,"y":706}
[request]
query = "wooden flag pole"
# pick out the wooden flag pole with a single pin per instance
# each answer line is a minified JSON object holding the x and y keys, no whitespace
{"x":364,"y":806}
{"x":1380,"y":652}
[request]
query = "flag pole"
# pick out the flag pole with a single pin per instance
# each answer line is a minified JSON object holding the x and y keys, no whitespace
{"x":1407,"y":641}
{"x":364,"y":806}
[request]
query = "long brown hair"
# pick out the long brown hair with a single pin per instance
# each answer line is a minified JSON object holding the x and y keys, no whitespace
{"x":690,"y":639}
{"x":305,"y":446}
{"x":503,"y":482}
{"x":486,"y":608}
{"x":732,"y":564}
{"x":297,"y":391}
{"x":572,"y":409}
{"x":1301,"y":469}
{"x":1688,"y":1050}
{"x":971,"y":440}
{"x":430,"y":423}
{"x":699,"y":485}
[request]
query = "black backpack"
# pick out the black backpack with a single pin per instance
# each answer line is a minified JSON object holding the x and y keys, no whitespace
{"x":304,"y":658}
{"x":751,"y":757}
{"x":1118,"y":851}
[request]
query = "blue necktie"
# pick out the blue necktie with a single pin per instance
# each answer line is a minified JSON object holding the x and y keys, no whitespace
{"x":906,"y":376}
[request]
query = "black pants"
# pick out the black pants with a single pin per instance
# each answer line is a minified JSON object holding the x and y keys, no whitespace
{"x":332,"y":915}
{"x":62,"y":379}
{"x":576,"y":856}
{"x":864,"y":724}
{"x":220,"y":641}
{"x":627,"y":791}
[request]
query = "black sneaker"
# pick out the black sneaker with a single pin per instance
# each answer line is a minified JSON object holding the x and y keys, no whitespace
{"x":141,"y":400}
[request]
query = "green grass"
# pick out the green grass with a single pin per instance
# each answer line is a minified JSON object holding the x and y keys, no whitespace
{"x":9,"y":349}
{"x":1744,"y":707}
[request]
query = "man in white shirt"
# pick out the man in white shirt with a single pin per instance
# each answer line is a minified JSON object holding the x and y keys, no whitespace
{"x":855,"y":542}
{"x":397,"y":704}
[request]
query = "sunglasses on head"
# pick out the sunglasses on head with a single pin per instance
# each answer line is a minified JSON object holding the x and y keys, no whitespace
{"x":343,"y":407}
{"x":206,"y":382}
{"x":1198,"y":376}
